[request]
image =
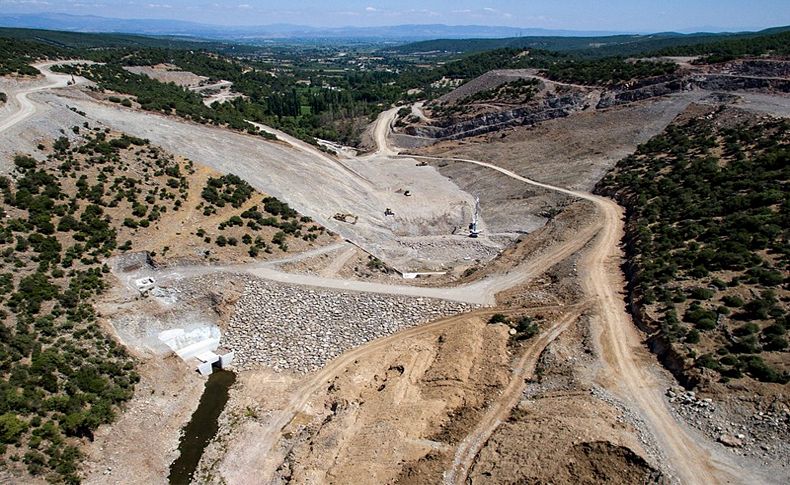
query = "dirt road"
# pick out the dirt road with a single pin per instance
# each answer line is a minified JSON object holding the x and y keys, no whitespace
{"x":311,"y":151}
{"x":317,"y":186}
{"x":22,"y":107}
{"x":381,"y":131}
{"x":337,"y":264}
{"x":262,"y":455}
{"x":621,"y":346}
{"x":524,"y":368}
{"x":619,"y":339}
{"x":626,"y":365}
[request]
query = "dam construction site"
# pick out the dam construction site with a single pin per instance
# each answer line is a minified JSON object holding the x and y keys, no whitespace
{"x":477,"y":287}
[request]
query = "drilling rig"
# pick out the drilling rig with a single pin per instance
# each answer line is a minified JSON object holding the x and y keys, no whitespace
{"x":473,"y":231}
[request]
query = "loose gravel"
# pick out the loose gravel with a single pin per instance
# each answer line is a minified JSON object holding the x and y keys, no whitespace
{"x":749,"y":426}
{"x":300,"y":329}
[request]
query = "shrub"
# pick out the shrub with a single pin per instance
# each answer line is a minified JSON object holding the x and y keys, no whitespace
{"x":729,"y":360}
{"x":11,"y":428}
{"x":708,"y":361}
{"x":129,"y":222}
{"x":692,"y":337}
{"x":277,"y":208}
{"x":498,"y":318}
{"x":775,"y":343}
{"x":701,"y":293}
{"x":775,"y":329}
{"x":25,"y":163}
{"x":748,"y":329}
{"x":695,"y":313}
{"x":526,"y":328}
{"x":706,"y":324}
{"x":279,"y":238}
{"x":746,"y":345}
{"x":757,"y":368}
{"x":732,"y":301}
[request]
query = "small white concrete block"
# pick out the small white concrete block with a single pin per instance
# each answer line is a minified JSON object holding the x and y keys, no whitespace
{"x":205,"y":368}
{"x":226,"y":359}
{"x":208,"y":356}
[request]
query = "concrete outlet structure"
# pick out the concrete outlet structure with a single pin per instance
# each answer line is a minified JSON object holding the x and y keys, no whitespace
{"x":199,"y":346}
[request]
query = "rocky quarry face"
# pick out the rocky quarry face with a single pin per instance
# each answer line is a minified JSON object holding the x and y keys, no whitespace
{"x":549,"y":108}
{"x":750,"y":75}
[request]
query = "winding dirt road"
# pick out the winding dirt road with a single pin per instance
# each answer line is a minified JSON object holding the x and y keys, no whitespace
{"x":621,"y":345}
{"x":26,"y":108}
{"x":625,"y":370}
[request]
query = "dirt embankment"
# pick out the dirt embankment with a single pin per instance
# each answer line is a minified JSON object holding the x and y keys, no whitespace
{"x":396,"y":410}
{"x":581,"y":433}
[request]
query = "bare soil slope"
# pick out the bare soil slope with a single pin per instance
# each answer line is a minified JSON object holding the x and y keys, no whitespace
{"x":573,"y":152}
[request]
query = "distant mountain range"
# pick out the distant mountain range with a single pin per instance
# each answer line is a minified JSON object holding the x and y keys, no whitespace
{"x":411,"y":32}
{"x":589,"y":46}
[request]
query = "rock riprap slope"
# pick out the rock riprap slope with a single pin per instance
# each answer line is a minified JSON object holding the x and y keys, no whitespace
{"x":299,"y":329}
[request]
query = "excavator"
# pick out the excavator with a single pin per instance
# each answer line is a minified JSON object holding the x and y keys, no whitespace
{"x":346,"y":217}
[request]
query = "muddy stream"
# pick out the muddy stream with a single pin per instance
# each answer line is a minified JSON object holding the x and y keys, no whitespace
{"x":202,"y":427}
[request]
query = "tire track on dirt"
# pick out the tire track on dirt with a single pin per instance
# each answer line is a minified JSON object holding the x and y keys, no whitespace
{"x":263,"y":457}
{"x":25,"y":107}
{"x":621,"y":343}
{"x":523,"y":369}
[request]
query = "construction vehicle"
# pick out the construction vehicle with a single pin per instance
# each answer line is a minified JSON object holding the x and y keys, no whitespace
{"x":473,"y":231}
{"x":388,"y":212}
{"x":345,"y":217}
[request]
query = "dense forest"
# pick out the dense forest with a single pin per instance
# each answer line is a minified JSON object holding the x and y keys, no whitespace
{"x":581,"y":47}
{"x":17,"y":55}
{"x":608,"y":71}
{"x":776,"y":44}
{"x":707,"y":237}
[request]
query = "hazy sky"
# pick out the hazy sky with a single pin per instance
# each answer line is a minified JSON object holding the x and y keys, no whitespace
{"x":620,"y":15}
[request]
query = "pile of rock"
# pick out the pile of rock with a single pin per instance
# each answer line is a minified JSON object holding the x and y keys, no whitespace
{"x":300,"y":329}
{"x":737,"y":423}
{"x":689,"y":398}
{"x":630,"y":416}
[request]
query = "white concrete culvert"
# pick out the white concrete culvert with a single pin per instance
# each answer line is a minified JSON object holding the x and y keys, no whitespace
{"x":300,"y":329}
